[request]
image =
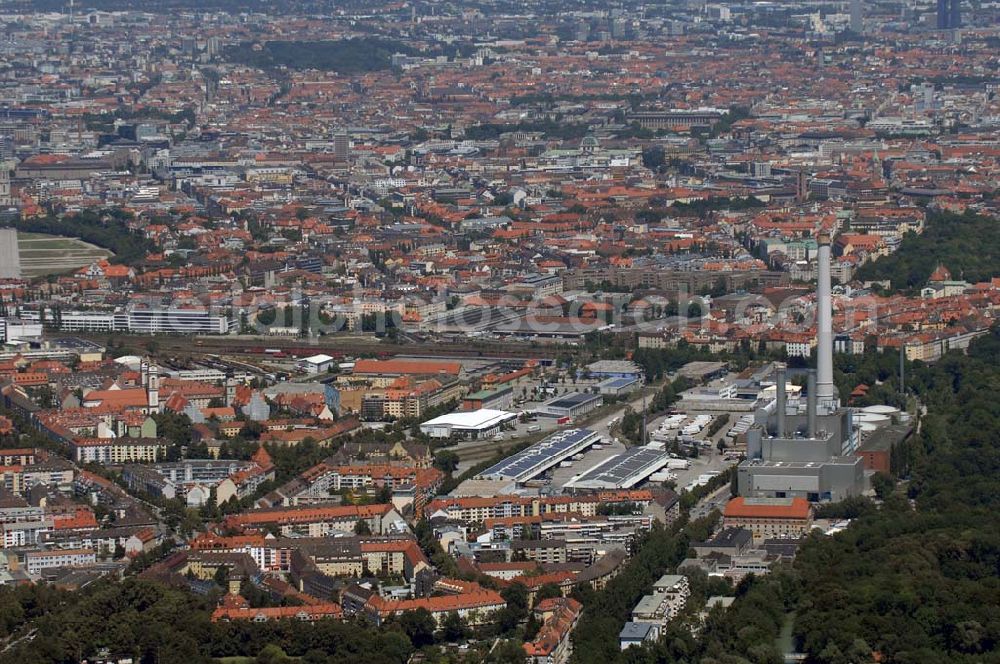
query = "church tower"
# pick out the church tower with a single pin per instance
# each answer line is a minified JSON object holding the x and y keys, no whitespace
{"x":153,"y":389}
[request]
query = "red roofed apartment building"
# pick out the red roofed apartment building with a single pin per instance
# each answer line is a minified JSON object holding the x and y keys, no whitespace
{"x":475,"y":604}
{"x":235,"y":607}
{"x":769,"y":518}
{"x":552,"y":644}
{"x":317,"y":521}
{"x":476,"y":508}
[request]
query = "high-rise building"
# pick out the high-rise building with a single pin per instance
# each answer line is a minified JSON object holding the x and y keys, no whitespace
{"x":949,"y":14}
{"x":6,"y":147}
{"x":342,"y":146}
{"x":5,"y":198}
{"x":857,"y":19}
{"x":801,"y":186}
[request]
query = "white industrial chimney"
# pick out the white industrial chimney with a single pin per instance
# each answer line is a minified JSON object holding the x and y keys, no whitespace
{"x":825,"y":391}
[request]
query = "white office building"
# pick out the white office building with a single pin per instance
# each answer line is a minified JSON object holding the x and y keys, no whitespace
{"x":145,"y":321}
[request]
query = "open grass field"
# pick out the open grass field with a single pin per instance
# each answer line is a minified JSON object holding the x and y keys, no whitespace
{"x":51,"y":254}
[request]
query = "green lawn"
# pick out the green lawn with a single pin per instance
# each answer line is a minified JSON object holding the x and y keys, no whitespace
{"x":51,"y":254}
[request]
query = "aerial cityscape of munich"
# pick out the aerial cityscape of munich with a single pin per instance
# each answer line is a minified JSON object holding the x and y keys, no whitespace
{"x":500,"y":332}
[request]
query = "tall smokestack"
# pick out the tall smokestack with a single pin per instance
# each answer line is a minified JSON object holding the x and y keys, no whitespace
{"x":824,"y":329}
{"x":779,"y":386}
{"x":811,"y":405}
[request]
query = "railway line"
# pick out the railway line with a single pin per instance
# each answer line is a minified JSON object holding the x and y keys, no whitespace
{"x":333,"y":346}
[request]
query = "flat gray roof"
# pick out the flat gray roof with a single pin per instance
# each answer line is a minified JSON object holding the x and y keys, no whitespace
{"x":634,"y":630}
{"x":570,"y":400}
{"x":623,"y":470}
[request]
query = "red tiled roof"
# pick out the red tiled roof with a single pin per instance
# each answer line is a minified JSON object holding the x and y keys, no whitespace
{"x":312,"y":612}
{"x":796,"y":508}
{"x":444,"y":603}
{"x":307,"y":514}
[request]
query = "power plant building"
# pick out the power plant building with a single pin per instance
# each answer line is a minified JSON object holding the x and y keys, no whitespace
{"x":796,"y":452}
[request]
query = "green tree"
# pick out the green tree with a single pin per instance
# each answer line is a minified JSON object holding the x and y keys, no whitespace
{"x":516,"y":596}
{"x":221,"y":576}
{"x":883,"y":484}
{"x":272,"y":654}
{"x":419,"y":626}
{"x":446,"y":461}
{"x":453,"y":628}
{"x":507,"y":651}
{"x":547,"y":591}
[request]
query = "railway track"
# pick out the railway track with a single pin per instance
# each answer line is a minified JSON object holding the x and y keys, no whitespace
{"x":336,"y":347}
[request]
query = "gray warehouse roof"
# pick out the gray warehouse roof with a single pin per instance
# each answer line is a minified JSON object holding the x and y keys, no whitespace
{"x":541,"y":456}
{"x":623,"y":470}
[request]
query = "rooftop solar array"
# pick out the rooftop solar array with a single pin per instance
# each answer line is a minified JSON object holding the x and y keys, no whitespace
{"x":572,"y":399}
{"x":541,"y":456}
{"x":624,"y":470}
{"x":618,"y":382}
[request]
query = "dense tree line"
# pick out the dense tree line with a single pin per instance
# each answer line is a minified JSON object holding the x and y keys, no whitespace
{"x":967,"y":244}
{"x":657,"y":362}
{"x":154,"y":623}
{"x":701,"y":207}
{"x":918,"y":581}
{"x":632,"y":422}
{"x":595,"y":639}
{"x":105,"y":122}
{"x":347,"y":56}
{"x":915,"y":578}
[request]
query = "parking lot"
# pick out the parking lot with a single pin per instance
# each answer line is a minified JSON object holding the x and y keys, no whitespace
{"x":704,"y":464}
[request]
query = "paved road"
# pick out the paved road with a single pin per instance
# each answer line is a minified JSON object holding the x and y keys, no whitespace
{"x":602,"y":425}
{"x":29,"y":636}
{"x":714,"y":501}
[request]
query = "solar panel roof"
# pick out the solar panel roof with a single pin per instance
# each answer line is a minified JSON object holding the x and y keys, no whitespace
{"x":542,"y":455}
{"x":624,"y":469}
{"x":618,"y":382}
{"x":572,"y":399}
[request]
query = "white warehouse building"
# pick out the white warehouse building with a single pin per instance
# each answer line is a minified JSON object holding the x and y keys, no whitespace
{"x":469,"y":425}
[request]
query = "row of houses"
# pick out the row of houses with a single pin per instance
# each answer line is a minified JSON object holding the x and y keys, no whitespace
{"x":319,"y":520}
{"x":471,"y":509}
